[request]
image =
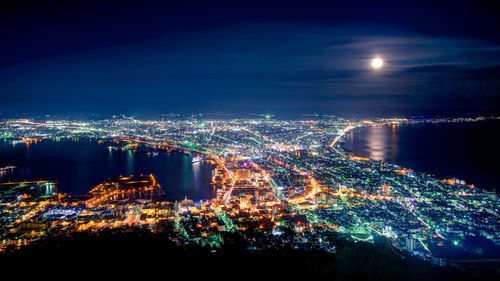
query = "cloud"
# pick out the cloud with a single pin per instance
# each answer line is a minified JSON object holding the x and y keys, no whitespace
{"x":266,"y":66}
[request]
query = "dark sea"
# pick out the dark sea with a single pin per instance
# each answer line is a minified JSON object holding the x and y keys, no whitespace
{"x":467,"y":151}
{"x":78,"y":166}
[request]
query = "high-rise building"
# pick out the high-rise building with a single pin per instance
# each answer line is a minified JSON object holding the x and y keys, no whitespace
{"x":386,"y":189}
{"x":410,"y":243}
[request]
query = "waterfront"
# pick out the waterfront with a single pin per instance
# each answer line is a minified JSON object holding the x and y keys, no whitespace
{"x":467,"y":151}
{"x":287,"y":180}
{"x":78,"y":166}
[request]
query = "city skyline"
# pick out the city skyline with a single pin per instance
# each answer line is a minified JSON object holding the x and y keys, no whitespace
{"x":310,"y":139}
{"x":275,"y":184}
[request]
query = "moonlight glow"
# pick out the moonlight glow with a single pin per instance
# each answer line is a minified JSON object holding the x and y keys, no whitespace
{"x":377,"y":63}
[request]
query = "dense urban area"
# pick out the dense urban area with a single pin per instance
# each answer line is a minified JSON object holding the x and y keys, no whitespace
{"x":289,"y":181}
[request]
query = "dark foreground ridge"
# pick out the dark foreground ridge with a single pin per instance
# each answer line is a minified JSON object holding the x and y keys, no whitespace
{"x":139,"y":251}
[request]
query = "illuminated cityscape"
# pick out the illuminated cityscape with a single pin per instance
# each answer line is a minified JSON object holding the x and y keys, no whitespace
{"x":276,"y":139}
{"x":271,"y":176}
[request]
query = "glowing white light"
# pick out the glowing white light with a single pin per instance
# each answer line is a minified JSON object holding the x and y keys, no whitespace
{"x":377,"y":63}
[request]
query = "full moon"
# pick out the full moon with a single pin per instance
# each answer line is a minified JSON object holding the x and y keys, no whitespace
{"x":377,"y":63}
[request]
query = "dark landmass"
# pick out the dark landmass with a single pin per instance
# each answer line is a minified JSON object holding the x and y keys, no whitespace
{"x":139,"y":251}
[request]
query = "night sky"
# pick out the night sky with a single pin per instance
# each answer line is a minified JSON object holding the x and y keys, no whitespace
{"x":145,"y":58}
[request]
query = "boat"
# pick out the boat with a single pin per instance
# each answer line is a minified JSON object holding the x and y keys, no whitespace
{"x":7,"y":168}
{"x":197,"y":159}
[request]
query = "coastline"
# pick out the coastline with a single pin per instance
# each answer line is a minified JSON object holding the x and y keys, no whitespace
{"x":420,"y":164}
{"x":68,"y":157}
